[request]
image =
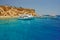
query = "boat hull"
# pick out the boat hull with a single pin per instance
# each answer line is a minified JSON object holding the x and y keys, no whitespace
{"x":26,"y":18}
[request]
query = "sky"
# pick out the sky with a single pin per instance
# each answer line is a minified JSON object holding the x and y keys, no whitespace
{"x":41,"y":6}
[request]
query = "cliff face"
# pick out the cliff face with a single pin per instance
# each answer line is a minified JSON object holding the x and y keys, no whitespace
{"x":14,"y":11}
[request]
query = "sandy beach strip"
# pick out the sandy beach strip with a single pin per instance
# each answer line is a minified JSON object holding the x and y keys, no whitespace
{"x":3,"y":17}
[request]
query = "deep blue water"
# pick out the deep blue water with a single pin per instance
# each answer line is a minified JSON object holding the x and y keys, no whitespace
{"x":35,"y":29}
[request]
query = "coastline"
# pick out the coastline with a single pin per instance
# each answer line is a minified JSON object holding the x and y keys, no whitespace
{"x":7,"y":12}
{"x":7,"y":17}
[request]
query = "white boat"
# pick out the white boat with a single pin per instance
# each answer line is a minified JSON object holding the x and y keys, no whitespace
{"x":26,"y":16}
{"x":53,"y":15}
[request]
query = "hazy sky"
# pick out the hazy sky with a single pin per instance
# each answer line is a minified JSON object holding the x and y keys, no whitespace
{"x":41,"y":6}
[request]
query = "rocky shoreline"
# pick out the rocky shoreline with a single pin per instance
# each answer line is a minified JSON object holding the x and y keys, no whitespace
{"x":11,"y":12}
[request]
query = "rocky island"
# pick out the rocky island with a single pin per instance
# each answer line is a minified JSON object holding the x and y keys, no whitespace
{"x":10,"y":12}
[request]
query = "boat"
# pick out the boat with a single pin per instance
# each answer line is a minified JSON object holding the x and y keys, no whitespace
{"x":53,"y":15}
{"x":26,"y":17}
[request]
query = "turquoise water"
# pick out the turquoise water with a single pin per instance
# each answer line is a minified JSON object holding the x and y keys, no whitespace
{"x":35,"y":29}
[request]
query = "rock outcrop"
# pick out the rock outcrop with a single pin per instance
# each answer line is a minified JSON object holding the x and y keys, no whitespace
{"x":15,"y":11}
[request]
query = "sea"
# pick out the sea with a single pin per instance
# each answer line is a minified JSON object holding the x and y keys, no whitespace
{"x":33,"y":29}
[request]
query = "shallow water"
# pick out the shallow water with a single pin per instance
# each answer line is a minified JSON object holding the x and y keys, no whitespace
{"x":35,"y":29}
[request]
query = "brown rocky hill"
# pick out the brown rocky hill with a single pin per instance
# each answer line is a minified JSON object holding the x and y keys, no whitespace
{"x":15,"y":11}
